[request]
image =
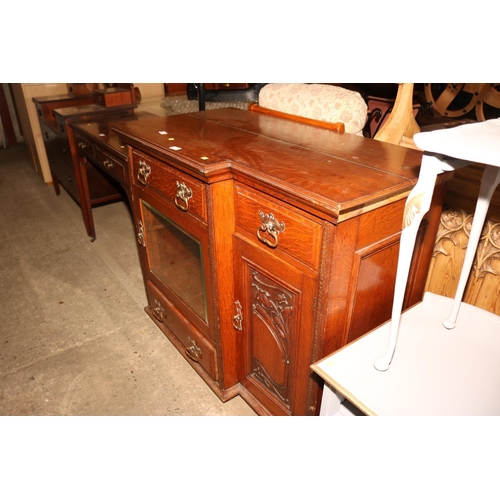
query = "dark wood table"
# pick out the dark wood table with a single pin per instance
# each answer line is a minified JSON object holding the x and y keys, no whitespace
{"x":99,"y":158}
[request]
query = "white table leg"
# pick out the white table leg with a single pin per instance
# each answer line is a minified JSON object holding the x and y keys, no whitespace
{"x":489,"y":182}
{"x":330,"y":402}
{"x":417,"y":205}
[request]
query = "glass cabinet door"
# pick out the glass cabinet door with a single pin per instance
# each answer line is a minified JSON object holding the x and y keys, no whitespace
{"x":175,"y":258}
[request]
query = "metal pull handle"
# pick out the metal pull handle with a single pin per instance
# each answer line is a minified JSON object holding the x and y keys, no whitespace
{"x":238,"y":317}
{"x":194,"y":352}
{"x":140,"y":235}
{"x":272,"y":227}
{"x":82,"y":145}
{"x":108,"y":164}
{"x":143,"y":173}
{"x":182,"y":197}
{"x":159,"y":311}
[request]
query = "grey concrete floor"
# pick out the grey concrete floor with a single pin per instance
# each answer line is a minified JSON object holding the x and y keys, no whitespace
{"x":74,"y":337}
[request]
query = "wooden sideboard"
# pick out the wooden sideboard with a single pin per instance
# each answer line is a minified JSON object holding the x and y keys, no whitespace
{"x":267,"y":244}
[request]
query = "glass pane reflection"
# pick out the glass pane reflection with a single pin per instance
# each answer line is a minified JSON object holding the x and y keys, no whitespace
{"x":175,"y":258}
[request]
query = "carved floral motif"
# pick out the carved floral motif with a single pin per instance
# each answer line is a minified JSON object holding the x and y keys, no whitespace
{"x":412,"y":208}
{"x":274,"y":306}
{"x":455,"y":223}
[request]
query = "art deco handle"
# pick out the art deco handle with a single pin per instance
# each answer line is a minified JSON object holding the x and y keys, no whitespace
{"x":183,"y":196}
{"x":194,"y":352}
{"x":270,"y":226}
{"x":143,"y":173}
{"x":159,"y":311}
{"x":108,"y":164}
{"x":140,"y":235}
{"x":238,"y":317}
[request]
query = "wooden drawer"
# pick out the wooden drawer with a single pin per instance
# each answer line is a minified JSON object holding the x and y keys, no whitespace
{"x":194,"y":345}
{"x":187,"y":193}
{"x":112,"y":165}
{"x":61,"y":165}
{"x":78,"y":89}
{"x":48,"y":134}
{"x":114,"y":96}
{"x":85,"y":147}
{"x":61,"y":125}
{"x":44,"y":113}
{"x":277,"y":226}
{"x":45,"y":106}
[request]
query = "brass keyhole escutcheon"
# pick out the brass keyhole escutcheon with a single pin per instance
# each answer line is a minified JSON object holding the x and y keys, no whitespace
{"x":159,"y":311}
{"x":140,"y":235}
{"x":238,"y":317}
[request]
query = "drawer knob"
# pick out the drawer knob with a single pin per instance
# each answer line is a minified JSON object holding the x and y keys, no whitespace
{"x":108,"y":164}
{"x":159,"y":312}
{"x":269,"y":226}
{"x":143,"y":173}
{"x":193,"y":351}
{"x":82,"y":145}
{"x":184,"y":194}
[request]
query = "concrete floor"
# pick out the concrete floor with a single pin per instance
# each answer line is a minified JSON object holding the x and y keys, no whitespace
{"x":74,"y":337}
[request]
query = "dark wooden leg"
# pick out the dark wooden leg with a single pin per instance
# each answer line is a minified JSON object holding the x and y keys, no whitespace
{"x":82,"y":183}
{"x":85,"y":204}
{"x":55,"y":183}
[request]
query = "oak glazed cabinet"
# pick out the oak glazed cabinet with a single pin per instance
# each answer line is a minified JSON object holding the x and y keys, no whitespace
{"x":295,"y":233}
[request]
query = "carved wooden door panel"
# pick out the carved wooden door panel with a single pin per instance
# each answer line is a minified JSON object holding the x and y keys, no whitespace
{"x":276,"y":324}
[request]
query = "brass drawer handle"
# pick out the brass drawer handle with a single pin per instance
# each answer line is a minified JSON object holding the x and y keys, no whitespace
{"x":140,"y":235}
{"x":108,"y":164}
{"x":82,"y":145}
{"x":184,"y":194}
{"x":238,"y":317}
{"x":272,"y":227}
{"x":143,"y":173}
{"x":159,"y":311}
{"x":194,"y":352}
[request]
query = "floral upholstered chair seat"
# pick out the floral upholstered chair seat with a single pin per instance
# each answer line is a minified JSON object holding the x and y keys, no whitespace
{"x":327,"y":103}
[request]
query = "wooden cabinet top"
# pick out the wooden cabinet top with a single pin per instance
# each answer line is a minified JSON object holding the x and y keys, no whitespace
{"x":62,"y":98}
{"x":102,"y":133}
{"x":91,"y":111}
{"x":335,"y":176}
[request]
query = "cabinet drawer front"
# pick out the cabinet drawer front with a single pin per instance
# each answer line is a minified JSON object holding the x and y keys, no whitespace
{"x":187,"y":193}
{"x":112,"y":165}
{"x":195,"y":346}
{"x":85,"y":147}
{"x":61,"y":126}
{"x":278,"y":226}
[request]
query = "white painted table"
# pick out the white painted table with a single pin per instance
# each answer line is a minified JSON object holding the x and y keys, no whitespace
{"x":447,"y":360}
